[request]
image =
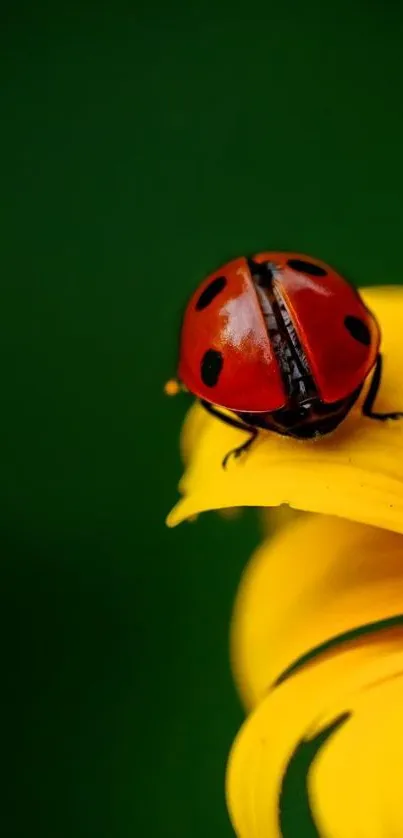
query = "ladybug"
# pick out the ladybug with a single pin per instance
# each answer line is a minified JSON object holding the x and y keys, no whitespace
{"x":284,"y":343}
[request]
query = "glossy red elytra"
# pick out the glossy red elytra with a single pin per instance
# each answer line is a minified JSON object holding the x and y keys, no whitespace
{"x":284,"y":342}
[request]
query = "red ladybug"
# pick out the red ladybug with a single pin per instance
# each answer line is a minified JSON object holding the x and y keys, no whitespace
{"x":283,"y":342}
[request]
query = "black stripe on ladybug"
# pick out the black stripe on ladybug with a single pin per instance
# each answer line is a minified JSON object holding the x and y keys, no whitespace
{"x":296,"y":374}
{"x":262,"y":273}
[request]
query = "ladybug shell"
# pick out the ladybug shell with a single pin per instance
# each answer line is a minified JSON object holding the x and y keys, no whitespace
{"x":225,"y":355}
{"x":339,"y":335}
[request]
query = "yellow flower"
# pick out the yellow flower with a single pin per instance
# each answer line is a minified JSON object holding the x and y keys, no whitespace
{"x":332,"y":591}
{"x":317,"y":630}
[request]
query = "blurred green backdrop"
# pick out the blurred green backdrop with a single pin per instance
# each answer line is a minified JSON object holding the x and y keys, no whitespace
{"x":142,"y":144}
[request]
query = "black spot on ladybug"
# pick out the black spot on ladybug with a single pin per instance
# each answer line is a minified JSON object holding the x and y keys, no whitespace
{"x":210,"y":367}
{"x":306,"y":267}
{"x":207,"y":296}
{"x":358,"y":329}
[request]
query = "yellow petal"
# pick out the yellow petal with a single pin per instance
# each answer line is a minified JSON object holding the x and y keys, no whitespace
{"x":309,"y":590}
{"x":315,"y":580}
{"x":195,"y":423}
{"x":355,"y":473}
{"x":350,"y":781}
{"x":366,"y":797}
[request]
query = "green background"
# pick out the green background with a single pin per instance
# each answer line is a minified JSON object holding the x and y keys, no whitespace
{"x":141,"y":146}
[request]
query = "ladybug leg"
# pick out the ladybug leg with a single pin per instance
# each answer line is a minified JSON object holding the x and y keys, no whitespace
{"x":236,"y":452}
{"x":372,"y":394}
{"x":234,"y":423}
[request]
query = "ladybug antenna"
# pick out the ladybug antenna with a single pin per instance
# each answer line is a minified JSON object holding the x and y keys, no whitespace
{"x":173,"y":387}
